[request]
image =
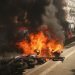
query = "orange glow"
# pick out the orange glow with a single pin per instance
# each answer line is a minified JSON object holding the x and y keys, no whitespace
{"x":39,"y":43}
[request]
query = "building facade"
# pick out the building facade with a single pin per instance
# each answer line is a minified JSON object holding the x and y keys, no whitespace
{"x":70,"y":9}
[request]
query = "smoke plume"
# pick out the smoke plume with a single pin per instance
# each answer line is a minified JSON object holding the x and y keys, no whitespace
{"x":32,"y":14}
{"x":53,"y":22}
{"x":61,"y":14}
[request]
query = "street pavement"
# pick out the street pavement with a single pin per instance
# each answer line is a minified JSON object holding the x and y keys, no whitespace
{"x":67,"y":67}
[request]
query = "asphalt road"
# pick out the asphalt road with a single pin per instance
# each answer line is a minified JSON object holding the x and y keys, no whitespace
{"x":67,"y":67}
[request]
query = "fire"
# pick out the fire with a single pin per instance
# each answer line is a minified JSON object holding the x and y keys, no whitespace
{"x":40,"y":44}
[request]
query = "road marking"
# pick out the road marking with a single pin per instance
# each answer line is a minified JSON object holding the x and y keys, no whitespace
{"x":53,"y":66}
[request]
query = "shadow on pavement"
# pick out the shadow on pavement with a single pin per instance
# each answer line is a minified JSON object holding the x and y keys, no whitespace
{"x":73,"y":71}
{"x":9,"y":67}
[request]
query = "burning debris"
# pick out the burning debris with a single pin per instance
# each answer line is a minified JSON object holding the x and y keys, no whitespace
{"x":39,"y":44}
{"x":58,"y":57}
{"x":18,"y":64}
{"x":31,"y":27}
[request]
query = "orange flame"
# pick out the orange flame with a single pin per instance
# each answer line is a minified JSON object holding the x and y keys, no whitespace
{"x":40,"y":43}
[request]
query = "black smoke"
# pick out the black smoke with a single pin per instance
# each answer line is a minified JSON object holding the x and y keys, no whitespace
{"x":32,"y":14}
